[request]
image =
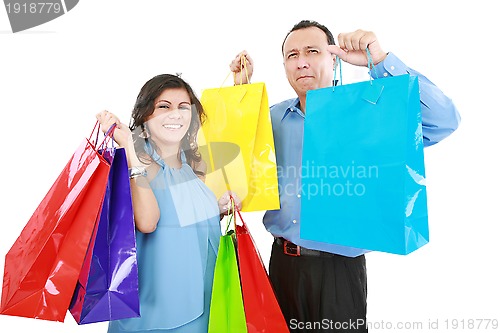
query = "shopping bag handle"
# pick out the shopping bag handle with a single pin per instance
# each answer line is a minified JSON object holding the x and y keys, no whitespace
{"x":110,"y":130}
{"x":338,"y":63}
{"x":241,"y":219}
{"x":235,"y":211}
{"x":105,"y":141}
{"x":243,"y":64}
{"x":109,"y":134}
{"x":97,"y":128}
{"x":231,"y":213}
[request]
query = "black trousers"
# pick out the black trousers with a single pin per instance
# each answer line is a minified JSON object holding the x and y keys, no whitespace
{"x":325,"y":293}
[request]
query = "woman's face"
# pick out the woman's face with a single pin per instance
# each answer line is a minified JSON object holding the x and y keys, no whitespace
{"x":171,"y":117}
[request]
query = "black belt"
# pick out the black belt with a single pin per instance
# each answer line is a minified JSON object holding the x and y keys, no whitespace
{"x":294,"y":250}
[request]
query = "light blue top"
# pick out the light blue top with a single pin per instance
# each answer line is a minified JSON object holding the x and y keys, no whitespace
{"x":172,"y":260}
{"x":439,"y":119}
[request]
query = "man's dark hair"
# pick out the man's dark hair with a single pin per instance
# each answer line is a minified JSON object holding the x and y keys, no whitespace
{"x":307,"y":24}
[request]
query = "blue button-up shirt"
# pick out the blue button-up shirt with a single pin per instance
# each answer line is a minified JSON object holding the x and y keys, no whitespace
{"x":439,"y":119}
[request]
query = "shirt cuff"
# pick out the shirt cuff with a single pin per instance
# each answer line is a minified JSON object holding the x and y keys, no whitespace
{"x":391,"y":66}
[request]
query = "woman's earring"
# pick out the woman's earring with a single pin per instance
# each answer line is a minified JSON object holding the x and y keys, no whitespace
{"x":144,"y":134}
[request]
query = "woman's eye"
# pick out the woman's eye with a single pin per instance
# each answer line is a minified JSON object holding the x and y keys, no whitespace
{"x":162,"y":106}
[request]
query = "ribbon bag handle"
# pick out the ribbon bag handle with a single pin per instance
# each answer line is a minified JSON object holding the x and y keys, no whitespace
{"x":233,"y":219}
{"x":338,"y":63}
{"x":231,"y":215}
{"x":108,"y":136}
{"x":373,"y":92}
{"x":243,"y":65}
{"x":370,"y":65}
{"x":109,"y":132}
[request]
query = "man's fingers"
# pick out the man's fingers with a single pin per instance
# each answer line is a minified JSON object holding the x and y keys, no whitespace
{"x":337,"y":51}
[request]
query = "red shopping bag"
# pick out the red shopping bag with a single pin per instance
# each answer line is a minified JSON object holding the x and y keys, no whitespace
{"x":43,"y":265}
{"x":262,"y":311}
{"x":108,"y":285}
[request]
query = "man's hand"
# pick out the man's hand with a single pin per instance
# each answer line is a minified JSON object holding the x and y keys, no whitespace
{"x":352,"y":46}
{"x":242,"y":68}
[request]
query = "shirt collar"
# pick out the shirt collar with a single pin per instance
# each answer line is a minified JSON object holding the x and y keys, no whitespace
{"x":293,"y":107}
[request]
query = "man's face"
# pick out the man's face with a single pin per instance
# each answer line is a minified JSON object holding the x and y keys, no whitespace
{"x":308,"y":63}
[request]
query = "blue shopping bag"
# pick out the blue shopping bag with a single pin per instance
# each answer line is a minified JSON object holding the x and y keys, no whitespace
{"x":108,"y":285}
{"x":363,"y":175}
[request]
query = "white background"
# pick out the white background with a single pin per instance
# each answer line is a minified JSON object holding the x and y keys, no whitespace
{"x":55,"y":77}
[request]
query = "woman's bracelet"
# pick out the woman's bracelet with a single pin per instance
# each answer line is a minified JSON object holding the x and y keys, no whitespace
{"x":137,"y":171}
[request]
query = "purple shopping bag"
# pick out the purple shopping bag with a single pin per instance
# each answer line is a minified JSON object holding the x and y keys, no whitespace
{"x":108,"y":287}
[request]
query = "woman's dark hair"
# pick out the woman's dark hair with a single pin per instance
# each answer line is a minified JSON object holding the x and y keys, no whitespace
{"x":145,"y":106}
{"x":307,"y":24}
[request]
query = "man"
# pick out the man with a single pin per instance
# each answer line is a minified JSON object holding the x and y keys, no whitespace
{"x":322,"y":287}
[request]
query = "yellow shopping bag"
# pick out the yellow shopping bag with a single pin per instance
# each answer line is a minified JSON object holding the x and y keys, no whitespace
{"x":236,"y":142}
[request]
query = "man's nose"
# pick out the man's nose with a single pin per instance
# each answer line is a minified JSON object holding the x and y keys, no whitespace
{"x":302,"y":63}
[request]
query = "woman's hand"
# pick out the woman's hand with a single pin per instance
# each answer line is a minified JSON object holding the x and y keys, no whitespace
{"x":121,"y":133}
{"x":225,"y":202}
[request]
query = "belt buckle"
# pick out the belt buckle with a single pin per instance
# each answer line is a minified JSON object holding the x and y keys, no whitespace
{"x":291,"y":250}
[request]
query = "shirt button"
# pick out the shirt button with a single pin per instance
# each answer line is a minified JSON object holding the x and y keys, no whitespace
{"x":298,"y":195}
{"x":294,"y":221}
{"x":385,"y":74}
{"x":392,"y":68}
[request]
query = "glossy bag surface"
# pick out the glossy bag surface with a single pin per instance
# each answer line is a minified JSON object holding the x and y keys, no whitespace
{"x":237,"y":143}
{"x":227,"y":314}
{"x":107,"y":287}
{"x":363,"y":174}
{"x":262,"y":311}
{"x":42,"y":266}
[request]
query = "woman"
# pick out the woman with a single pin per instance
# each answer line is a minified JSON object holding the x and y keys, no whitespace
{"x":176,"y":215}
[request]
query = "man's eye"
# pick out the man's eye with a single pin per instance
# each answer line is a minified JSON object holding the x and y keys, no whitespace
{"x":313,"y":51}
{"x":292,"y":55}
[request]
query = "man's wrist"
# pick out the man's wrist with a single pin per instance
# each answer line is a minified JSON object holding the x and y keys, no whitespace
{"x":381,"y":60}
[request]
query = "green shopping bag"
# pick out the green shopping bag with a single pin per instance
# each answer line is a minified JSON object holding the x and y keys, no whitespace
{"x":227,"y":314}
